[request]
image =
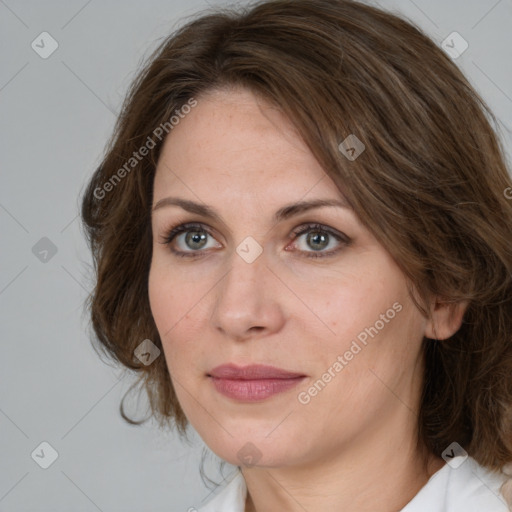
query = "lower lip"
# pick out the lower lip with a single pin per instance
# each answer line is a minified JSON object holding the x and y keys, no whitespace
{"x":253,"y":390}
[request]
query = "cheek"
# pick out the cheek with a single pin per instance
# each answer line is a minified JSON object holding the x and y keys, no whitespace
{"x":354,"y":304}
{"x":169,"y":298}
{"x":370,"y":378}
{"x":376,"y":329}
{"x":175,"y":308}
{"x":167,"y":308}
{"x":161,"y":302}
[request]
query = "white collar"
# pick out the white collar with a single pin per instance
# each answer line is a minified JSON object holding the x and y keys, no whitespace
{"x":231,"y":498}
{"x":467,"y":488}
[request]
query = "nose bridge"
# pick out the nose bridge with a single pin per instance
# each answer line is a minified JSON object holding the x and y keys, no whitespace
{"x":244,"y":299}
{"x":246,"y":279}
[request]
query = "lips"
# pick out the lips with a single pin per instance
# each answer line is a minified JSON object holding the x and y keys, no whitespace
{"x":252,"y":383}
{"x":252,"y":372}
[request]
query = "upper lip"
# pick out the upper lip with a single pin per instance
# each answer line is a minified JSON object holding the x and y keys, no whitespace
{"x":252,"y":372}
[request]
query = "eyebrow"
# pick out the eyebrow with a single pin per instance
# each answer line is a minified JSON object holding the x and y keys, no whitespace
{"x":282,"y":214}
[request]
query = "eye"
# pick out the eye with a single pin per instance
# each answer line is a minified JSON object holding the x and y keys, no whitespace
{"x":193,"y":238}
{"x":318,"y":238}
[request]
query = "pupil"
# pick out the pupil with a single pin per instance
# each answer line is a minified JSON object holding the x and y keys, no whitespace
{"x":195,"y":237}
{"x":317,"y":237}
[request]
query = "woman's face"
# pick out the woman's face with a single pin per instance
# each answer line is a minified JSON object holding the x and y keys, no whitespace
{"x":247,"y":289}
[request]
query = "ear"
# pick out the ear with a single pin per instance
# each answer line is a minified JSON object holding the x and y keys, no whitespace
{"x":445,"y":319}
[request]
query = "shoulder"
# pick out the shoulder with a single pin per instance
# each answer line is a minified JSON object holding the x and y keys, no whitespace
{"x":231,"y":498}
{"x":461,"y":486}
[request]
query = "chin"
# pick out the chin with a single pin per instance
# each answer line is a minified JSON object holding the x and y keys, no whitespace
{"x":256,"y":448}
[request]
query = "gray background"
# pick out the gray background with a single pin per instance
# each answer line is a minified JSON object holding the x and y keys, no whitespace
{"x":55,"y":117}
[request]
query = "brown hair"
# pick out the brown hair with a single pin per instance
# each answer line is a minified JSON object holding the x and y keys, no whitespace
{"x":429,"y":185}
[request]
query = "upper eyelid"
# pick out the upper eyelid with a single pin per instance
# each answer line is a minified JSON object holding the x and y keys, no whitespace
{"x":299,"y":230}
{"x":195,"y":224}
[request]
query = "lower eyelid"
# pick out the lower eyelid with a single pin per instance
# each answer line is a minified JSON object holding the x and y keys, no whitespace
{"x":325,"y":253}
{"x":181,"y":229}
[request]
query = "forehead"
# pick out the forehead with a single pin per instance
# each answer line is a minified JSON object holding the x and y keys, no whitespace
{"x":235,"y":142}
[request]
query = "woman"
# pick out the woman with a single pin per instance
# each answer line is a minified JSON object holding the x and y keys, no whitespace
{"x":304,"y":207}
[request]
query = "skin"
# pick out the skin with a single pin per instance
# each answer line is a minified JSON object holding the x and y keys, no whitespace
{"x":354,"y":445}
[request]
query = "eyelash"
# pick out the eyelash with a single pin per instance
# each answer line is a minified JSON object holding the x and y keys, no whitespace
{"x":301,"y":230}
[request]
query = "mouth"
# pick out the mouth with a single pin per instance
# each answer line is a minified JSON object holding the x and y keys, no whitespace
{"x":253,"y":383}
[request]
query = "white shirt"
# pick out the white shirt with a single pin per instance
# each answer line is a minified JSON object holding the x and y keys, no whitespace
{"x":467,"y":488}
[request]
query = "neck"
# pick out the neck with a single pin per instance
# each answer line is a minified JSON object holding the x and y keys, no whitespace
{"x":382,"y":474}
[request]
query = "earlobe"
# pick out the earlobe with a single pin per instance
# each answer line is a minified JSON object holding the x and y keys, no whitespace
{"x":445,"y":319}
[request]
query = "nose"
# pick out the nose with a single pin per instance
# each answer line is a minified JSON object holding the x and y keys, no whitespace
{"x":247,"y":300}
